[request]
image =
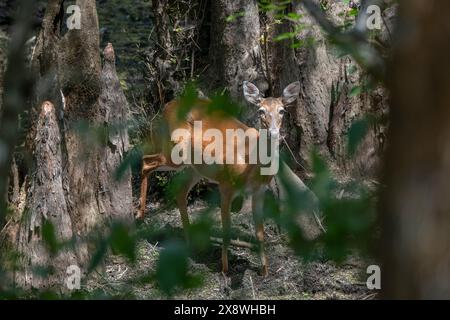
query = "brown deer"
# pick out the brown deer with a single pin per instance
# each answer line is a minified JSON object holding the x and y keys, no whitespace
{"x":231,"y":178}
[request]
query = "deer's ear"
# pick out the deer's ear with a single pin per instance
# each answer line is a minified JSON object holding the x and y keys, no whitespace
{"x":291,"y":92}
{"x":251,"y":93}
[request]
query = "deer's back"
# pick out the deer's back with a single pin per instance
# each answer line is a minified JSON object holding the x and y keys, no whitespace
{"x":177,"y":118}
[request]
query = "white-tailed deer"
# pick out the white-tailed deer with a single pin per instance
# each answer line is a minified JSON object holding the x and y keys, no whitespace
{"x":230,"y":177}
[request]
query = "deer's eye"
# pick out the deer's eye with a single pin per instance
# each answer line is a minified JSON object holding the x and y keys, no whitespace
{"x":261,"y":112}
{"x":282,"y":112}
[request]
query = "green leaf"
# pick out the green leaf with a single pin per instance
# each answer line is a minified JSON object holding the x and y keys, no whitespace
{"x":306,"y":43}
{"x":97,"y":257}
{"x":223,"y":106}
{"x":352,"y":69}
{"x":49,"y":237}
{"x":233,"y":17}
{"x":322,"y":183}
{"x":294,"y":16}
{"x":284,"y":36}
{"x":131,"y":160}
{"x":267,"y":5}
{"x":122,"y":242}
{"x":353,"y":12}
{"x":355,"y":91}
{"x":187,"y":100}
{"x":200,"y":232}
{"x":172,"y":268}
{"x":356,"y":133}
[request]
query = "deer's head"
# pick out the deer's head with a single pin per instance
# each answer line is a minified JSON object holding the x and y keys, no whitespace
{"x":271,"y":110}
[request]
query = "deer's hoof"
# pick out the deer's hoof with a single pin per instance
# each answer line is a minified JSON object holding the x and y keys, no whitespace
{"x":139,"y":216}
{"x":225,"y":270}
{"x":265,"y":271}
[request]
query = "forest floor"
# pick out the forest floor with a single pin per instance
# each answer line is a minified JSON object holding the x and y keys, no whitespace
{"x":289,"y":277}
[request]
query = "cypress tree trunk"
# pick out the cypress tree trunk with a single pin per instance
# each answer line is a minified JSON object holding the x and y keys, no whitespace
{"x":415,"y":207}
{"x":79,"y":80}
{"x":235,"y":51}
{"x":73,"y":184}
{"x":114,"y":191}
{"x":45,"y":209}
{"x":2,"y":70}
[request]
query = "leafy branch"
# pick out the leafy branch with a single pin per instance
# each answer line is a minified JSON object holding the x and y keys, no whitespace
{"x":355,"y":41}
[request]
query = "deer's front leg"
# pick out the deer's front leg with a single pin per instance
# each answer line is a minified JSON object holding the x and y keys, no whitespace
{"x":258,"y":218}
{"x":226,"y":196}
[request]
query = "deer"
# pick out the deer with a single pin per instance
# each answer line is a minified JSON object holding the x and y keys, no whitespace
{"x":230,"y":178}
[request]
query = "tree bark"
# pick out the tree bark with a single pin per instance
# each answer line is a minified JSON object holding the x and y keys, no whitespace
{"x":79,"y":70}
{"x":2,"y":70}
{"x":415,"y":209}
{"x":45,"y":203}
{"x":114,"y":191}
{"x":175,"y":56}
{"x":235,"y":52}
{"x":73,"y":182}
{"x":92,"y":99}
{"x":161,"y":73}
{"x":44,"y":66}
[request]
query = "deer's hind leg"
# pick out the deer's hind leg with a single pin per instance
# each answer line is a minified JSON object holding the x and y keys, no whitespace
{"x":190,"y":179}
{"x":151,"y":163}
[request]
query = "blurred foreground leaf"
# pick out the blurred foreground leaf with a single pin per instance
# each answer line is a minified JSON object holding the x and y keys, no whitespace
{"x":172,"y":268}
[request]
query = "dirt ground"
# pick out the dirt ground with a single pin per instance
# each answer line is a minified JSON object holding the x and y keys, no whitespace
{"x":289,"y":277}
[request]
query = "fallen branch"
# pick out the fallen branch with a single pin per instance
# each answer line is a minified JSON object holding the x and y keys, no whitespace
{"x":236,"y":243}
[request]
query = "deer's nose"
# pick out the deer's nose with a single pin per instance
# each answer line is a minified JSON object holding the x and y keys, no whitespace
{"x":274,"y":133}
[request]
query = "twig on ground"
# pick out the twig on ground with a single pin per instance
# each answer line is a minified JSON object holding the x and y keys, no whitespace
{"x":253,"y":288}
{"x":236,"y":243}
